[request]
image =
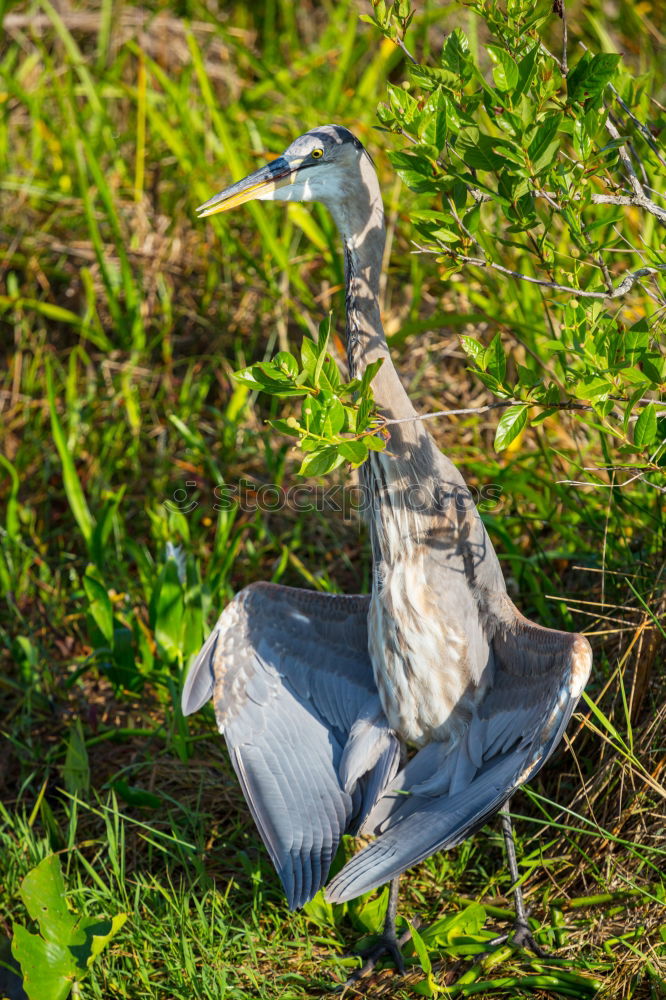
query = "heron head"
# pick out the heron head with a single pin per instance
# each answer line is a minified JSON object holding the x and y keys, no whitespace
{"x":316,"y":167}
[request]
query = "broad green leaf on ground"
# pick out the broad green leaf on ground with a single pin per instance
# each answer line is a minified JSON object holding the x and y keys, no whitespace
{"x":464,"y":923}
{"x":61,"y":954}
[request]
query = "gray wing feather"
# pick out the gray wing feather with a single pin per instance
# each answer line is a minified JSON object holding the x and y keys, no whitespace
{"x":199,"y":683}
{"x":434,"y":825}
{"x":449,"y":790}
{"x":291,"y":676}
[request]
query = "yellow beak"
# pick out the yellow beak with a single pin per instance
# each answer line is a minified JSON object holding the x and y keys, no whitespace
{"x":274,"y":175}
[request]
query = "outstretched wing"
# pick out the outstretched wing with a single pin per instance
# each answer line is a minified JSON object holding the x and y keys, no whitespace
{"x":295,"y":696}
{"x":447,"y":791}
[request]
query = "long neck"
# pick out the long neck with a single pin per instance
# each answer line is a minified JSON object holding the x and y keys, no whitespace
{"x":360,"y":219}
{"x":416,"y":492}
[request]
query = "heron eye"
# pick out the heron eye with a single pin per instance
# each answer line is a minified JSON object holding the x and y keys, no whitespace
{"x":317,"y":154}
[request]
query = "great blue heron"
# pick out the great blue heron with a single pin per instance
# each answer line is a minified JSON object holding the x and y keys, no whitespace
{"x":317,"y":694}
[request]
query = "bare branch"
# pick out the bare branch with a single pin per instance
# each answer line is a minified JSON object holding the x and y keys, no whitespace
{"x":640,"y":477}
{"x":503,"y":404}
{"x":500,"y":405}
{"x":640,"y":197}
{"x":597,"y":199}
{"x":618,"y":291}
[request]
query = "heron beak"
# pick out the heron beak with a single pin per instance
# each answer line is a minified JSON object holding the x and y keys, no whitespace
{"x":274,"y":175}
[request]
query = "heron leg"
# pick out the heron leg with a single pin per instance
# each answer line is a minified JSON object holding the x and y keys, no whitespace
{"x":522,"y":935}
{"x":388,"y":943}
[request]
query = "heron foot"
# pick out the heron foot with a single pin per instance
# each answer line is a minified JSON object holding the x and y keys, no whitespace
{"x":521,"y":937}
{"x":387,"y":944}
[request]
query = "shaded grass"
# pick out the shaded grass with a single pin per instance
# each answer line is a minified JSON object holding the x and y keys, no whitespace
{"x":110,"y":134}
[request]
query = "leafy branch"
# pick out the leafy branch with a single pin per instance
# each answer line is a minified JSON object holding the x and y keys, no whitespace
{"x":338,"y":420}
{"x":531,"y":170}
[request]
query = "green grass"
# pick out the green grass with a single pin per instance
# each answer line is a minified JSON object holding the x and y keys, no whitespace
{"x":121,"y":320}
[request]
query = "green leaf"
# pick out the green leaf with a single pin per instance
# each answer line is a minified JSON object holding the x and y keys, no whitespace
{"x":332,"y":372}
{"x":472,"y":219}
{"x":428,"y":78}
{"x":527,"y":68}
{"x":369,"y":373}
{"x":591,"y":74}
{"x":592,"y":387}
{"x":104,"y":524}
{"x":421,"y":951}
{"x":372,"y":913}
{"x":465,"y":923}
{"x":287,"y":363}
{"x":510,"y":425}
{"x":429,"y":986}
{"x":375,"y":443}
{"x":335,"y":417}
{"x":403,"y":105}
{"x":637,"y":340}
{"x":543,"y":146}
{"x":321,"y":462}
{"x":97,"y":933}
{"x":490,"y":382}
{"x":355,"y":452}
{"x":654,"y":366}
{"x":629,"y":408}
{"x":11,"y":499}
{"x":169,"y":611}
{"x":455,"y":55}
{"x":76,"y":769}
{"x":645,"y":431}
{"x":480,"y":151}
{"x":43,"y":894}
{"x":322,"y":342}
{"x":73,"y":490}
{"x":309,"y":355}
{"x":473,"y":348}
{"x":285,"y":426}
{"x":314,"y":414}
{"x":494,"y":359}
{"x":445,"y":236}
{"x":432,"y":126}
{"x":137,"y":796}
{"x":319,"y":910}
{"x":47,"y":967}
{"x":266,"y":377}
{"x":505,"y":69}
{"x":415,"y":169}
{"x":52,"y":963}
{"x":99,"y":606}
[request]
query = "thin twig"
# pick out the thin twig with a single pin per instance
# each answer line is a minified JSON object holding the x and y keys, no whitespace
{"x":643,"y":129}
{"x":618,"y":291}
{"x":606,"y":486}
{"x":399,"y":42}
{"x":562,"y":11}
{"x":502,"y":404}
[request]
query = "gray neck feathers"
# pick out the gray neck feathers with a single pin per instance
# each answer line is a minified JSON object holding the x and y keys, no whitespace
{"x":360,"y":219}
{"x":415,"y":489}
